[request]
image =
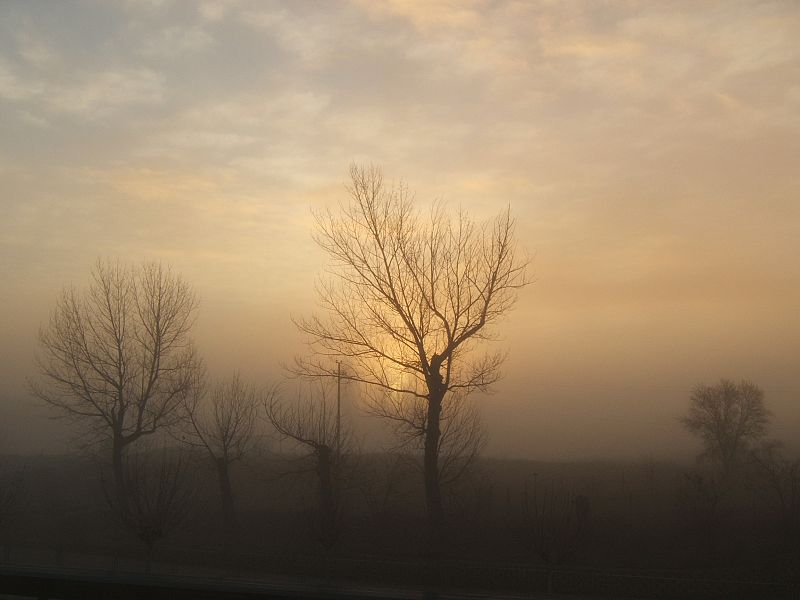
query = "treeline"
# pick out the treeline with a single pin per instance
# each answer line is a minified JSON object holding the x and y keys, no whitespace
{"x":409,"y":303}
{"x":409,"y":300}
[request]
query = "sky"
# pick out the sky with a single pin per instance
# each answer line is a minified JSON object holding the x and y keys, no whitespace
{"x":648,"y":151}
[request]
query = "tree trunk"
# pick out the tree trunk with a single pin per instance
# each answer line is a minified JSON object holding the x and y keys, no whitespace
{"x":226,"y":494}
{"x":148,"y":565}
{"x":433,"y":492}
{"x":118,"y":469}
{"x":327,"y":498}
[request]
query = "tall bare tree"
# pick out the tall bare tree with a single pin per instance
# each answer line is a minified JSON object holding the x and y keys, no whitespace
{"x":462,"y":435}
{"x":117,"y":357}
{"x":408,"y":300}
{"x":222,"y":422}
{"x":312,"y":422}
{"x":728,"y":417}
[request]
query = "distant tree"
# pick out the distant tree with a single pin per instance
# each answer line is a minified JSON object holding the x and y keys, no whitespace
{"x":782,"y":476}
{"x":312,"y":422}
{"x":729,"y":417}
{"x":117,"y":357}
{"x":222,"y":422}
{"x":10,"y":486}
{"x":159,"y":496}
{"x":701,"y":496}
{"x":409,"y":300}
{"x":380,"y":482}
{"x":556,"y":522}
{"x":10,"y":489}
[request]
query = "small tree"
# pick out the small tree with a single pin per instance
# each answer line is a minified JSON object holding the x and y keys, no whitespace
{"x":158,"y":499}
{"x":222,"y":422}
{"x":313,"y":423}
{"x":782,"y":476}
{"x":701,"y":497}
{"x":409,"y":300}
{"x":10,"y":488}
{"x":556,"y":522}
{"x":729,"y":417}
{"x":381,"y":484}
{"x":117,"y":357}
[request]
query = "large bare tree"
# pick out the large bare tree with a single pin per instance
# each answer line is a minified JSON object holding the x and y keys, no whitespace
{"x":408,"y":299}
{"x":222,"y":422}
{"x":729,"y":417}
{"x":117,"y":357}
{"x":461,"y":438}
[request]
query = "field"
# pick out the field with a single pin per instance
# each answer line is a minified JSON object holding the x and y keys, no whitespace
{"x":645,"y":530}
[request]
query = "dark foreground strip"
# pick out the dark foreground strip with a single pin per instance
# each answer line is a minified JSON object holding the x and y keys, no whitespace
{"x":73,"y":584}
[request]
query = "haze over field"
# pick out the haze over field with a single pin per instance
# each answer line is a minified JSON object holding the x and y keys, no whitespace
{"x":649,"y":153}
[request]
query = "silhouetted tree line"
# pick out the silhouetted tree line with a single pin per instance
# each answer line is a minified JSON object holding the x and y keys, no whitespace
{"x":409,"y":301}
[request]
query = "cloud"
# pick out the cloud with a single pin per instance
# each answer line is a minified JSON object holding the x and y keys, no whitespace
{"x":309,"y":38}
{"x":425,"y":15}
{"x":251,"y":132}
{"x":15,"y":88}
{"x":87,"y":94}
{"x":173,"y":42}
{"x":100,"y":94}
{"x":648,"y":151}
{"x":34,"y":51}
{"x":215,"y":10}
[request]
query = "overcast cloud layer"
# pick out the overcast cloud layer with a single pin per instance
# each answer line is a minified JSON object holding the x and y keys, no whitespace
{"x":649,"y":151}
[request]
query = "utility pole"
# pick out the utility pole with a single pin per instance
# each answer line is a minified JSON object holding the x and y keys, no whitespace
{"x":338,"y":407}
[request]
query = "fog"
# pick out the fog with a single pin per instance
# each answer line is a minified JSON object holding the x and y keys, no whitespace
{"x":412,"y":298}
{"x":648,"y":153}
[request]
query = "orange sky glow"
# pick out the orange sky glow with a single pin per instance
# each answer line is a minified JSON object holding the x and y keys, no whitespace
{"x":648,"y":150}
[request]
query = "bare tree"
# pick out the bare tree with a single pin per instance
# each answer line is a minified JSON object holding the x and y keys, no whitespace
{"x":782,"y":476}
{"x":118,"y":357}
{"x":159,"y":494}
{"x":312,"y":423}
{"x":10,"y":488}
{"x":702,"y":497}
{"x":556,"y":522}
{"x":556,"y":519}
{"x":728,"y":417}
{"x":222,"y":422}
{"x":409,"y":299}
{"x":381,"y":486}
{"x":462,"y":434}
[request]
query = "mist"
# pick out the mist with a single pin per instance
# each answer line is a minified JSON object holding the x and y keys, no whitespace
{"x":643,"y":158}
{"x":653,"y":183}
